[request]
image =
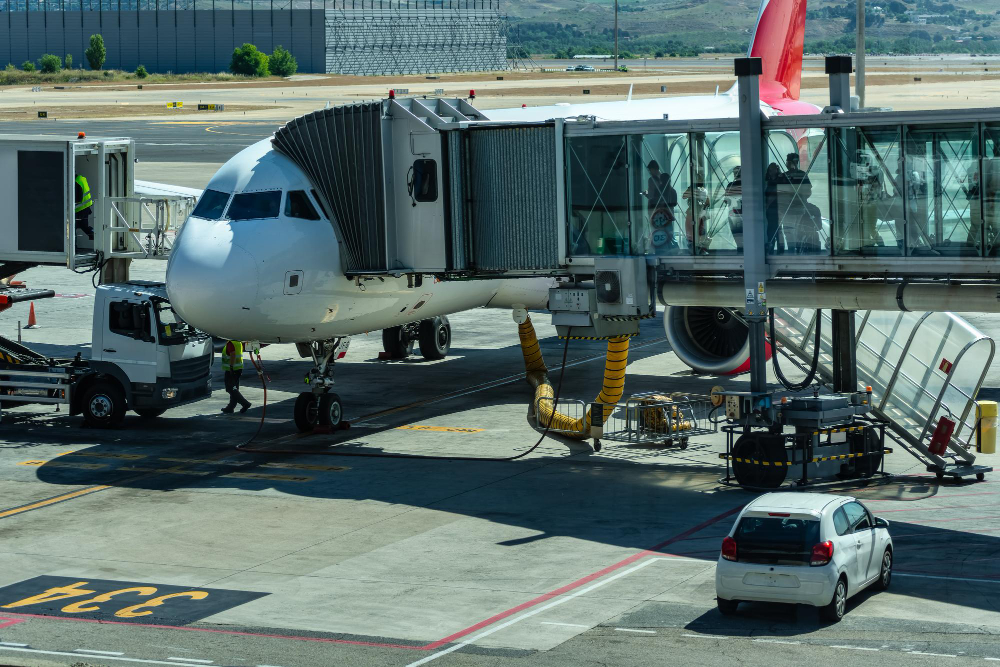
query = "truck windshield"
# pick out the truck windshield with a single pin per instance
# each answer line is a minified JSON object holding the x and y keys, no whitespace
{"x":774,"y":540}
{"x":172,"y":329}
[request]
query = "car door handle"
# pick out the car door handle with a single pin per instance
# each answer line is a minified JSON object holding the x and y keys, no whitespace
{"x":108,"y":349}
{"x":858,"y":544}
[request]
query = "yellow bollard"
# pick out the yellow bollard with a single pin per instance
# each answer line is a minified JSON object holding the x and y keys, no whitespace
{"x":986,"y":416}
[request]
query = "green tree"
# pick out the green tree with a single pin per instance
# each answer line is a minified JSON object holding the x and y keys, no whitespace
{"x":68,"y":61}
{"x":96,"y":53}
{"x":141,"y":72}
{"x":28,"y":66}
{"x":50,"y":64}
{"x":248,"y":61}
{"x":282,"y":63}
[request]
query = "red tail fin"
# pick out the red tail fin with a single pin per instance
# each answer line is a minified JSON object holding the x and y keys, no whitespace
{"x":777,"y":41}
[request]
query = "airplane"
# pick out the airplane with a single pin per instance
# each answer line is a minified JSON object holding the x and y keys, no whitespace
{"x":259,"y":258}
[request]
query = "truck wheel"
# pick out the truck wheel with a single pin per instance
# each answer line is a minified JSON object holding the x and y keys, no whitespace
{"x":331,"y":412}
{"x":435,"y":338}
{"x":150,"y":413}
{"x":103,"y":405}
{"x":396,"y":342}
{"x":306,"y":412}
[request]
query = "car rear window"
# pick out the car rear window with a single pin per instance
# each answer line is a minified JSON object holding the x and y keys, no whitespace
{"x":211,"y":205}
{"x":776,"y":540}
{"x":255,"y":205}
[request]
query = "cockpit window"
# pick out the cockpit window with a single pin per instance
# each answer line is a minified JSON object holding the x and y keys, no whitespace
{"x":211,"y":205}
{"x":297,"y":205}
{"x":255,"y":205}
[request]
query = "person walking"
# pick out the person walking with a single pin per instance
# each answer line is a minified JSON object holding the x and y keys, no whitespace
{"x":232,"y":365}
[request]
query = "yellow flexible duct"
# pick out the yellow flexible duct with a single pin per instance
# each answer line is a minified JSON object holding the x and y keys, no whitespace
{"x":537,"y":375}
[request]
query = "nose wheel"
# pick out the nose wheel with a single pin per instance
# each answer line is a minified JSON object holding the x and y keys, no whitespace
{"x":312,"y":410}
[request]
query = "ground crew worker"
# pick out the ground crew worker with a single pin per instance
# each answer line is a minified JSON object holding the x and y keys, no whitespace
{"x":232,"y":364}
{"x":84,"y":206}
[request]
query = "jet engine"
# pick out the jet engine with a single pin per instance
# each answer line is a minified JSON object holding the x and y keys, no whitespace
{"x":709,"y":339}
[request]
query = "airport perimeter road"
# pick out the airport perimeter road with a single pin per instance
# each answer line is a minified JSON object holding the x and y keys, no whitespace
{"x":162,"y":140}
{"x":162,"y":543}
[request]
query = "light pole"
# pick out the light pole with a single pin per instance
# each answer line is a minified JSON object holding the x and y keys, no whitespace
{"x":616,"y":35}
{"x":859,"y":68}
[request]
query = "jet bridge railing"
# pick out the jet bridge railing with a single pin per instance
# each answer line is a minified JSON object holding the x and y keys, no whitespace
{"x":900,"y":194}
{"x":139,"y":227}
{"x":921,"y":366}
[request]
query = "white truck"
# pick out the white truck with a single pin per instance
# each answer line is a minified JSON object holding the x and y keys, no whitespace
{"x":143,"y":358}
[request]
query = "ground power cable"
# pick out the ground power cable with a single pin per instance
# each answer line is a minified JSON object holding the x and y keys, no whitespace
{"x":814,"y":366}
{"x":244,"y":447}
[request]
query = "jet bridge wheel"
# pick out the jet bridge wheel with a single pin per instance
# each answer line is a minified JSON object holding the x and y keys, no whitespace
{"x":750,"y":452}
{"x":435,"y":338}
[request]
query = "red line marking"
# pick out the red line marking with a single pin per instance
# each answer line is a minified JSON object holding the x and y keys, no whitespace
{"x":911,"y":500}
{"x":237,"y":633}
{"x":580,"y":582}
{"x":7,"y":622}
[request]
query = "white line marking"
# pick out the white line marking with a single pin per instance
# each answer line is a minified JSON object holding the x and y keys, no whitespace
{"x":533,"y":612}
{"x":194,"y":660}
{"x":707,"y":636}
{"x":90,"y":650}
{"x":934,"y":576}
{"x":773,"y":641}
{"x":856,"y":648}
{"x":937,"y":655}
{"x":994,"y":659}
{"x":15,"y":645}
{"x":568,"y":625}
{"x":77,"y":655}
{"x":645,"y":632}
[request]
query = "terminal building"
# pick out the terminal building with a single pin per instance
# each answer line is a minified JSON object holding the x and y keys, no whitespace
{"x":368,"y":37}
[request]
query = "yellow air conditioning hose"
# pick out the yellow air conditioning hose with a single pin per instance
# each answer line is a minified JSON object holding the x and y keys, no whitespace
{"x":537,"y":374}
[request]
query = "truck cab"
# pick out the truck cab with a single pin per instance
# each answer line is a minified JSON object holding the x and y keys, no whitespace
{"x":143,"y":356}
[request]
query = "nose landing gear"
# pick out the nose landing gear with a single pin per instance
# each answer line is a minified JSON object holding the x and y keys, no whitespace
{"x":321,"y":406}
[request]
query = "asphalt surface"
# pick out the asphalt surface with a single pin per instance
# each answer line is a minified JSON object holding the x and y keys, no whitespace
{"x":305,"y":557}
{"x":162,"y":140}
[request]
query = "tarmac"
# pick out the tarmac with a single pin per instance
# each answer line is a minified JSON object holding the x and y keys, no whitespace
{"x":264,"y":547}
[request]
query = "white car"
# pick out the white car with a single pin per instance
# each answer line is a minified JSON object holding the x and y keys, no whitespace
{"x":803,"y":548}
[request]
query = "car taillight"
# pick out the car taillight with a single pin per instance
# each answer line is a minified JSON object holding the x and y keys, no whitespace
{"x":822,"y":553}
{"x":729,"y":549}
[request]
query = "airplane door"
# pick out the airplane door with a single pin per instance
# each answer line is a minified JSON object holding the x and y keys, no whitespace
{"x":129,"y":341}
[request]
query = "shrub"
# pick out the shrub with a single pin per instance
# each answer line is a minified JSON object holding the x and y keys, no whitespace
{"x":10,"y":68}
{"x":68,"y":61}
{"x":28,"y":66}
{"x":50,"y":64}
{"x":141,"y":72}
{"x":248,"y":61}
{"x":96,"y":53}
{"x":282,"y":63}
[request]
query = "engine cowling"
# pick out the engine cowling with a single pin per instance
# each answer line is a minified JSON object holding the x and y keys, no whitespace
{"x":709,"y":339}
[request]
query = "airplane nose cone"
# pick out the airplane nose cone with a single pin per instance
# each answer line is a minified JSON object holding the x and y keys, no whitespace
{"x":211,"y":281}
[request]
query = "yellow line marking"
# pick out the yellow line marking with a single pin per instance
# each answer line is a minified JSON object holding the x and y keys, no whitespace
{"x":108,"y":455}
{"x":439,"y":429}
{"x":64,"y":464}
{"x":50,"y":501}
{"x":304,"y":466}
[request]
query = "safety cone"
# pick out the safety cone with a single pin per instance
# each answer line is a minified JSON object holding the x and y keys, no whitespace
{"x":32,"y":322}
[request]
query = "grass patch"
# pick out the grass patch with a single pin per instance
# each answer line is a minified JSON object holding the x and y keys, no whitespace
{"x":21,"y":78}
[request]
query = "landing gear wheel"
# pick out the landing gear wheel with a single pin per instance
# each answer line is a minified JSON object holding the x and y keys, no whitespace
{"x":150,"y":413}
{"x":727,"y":607}
{"x":306,"y":412}
{"x":103,"y":405}
{"x":435,"y":338}
{"x":834,"y":611}
{"x":331,"y":412}
{"x":885,"y":574}
{"x":396,"y":342}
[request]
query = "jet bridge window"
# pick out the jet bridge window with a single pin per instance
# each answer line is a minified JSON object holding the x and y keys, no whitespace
{"x":211,"y":205}
{"x":297,"y":205}
{"x":129,"y":319}
{"x":422,"y":181}
{"x":255,"y":205}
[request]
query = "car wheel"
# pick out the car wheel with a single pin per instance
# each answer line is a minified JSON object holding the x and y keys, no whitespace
{"x":885,"y":575}
{"x":727,"y":607}
{"x":838,"y":605}
{"x":103,"y":405}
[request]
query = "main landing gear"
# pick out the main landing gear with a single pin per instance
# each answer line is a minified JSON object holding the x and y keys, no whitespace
{"x":434,"y":336}
{"x":321,"y":406}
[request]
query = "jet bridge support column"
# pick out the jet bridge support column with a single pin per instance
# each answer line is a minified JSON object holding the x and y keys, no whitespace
{"x":838,"y":68}
{"x":748,"y":71}
{"x":845,"y":363}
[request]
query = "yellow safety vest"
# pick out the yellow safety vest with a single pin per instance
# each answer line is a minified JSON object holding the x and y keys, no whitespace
{"x":86,"y":201}
{"x":236,"y":362}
